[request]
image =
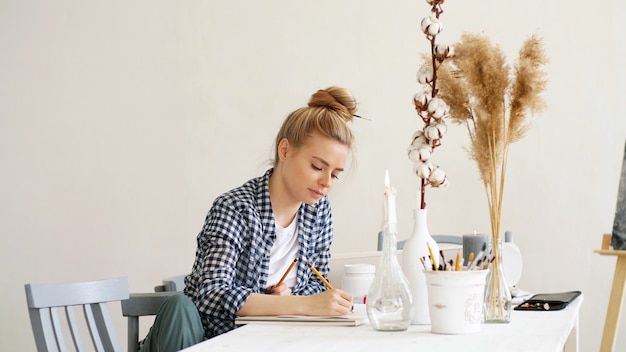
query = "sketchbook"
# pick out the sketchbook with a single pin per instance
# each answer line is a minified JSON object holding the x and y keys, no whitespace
{"x":352,"y":319}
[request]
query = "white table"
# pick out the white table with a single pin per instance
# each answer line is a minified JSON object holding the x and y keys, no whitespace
{"x":529,"y":331}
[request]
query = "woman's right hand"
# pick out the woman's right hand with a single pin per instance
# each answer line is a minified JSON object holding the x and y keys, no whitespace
{"x":330,"y":302}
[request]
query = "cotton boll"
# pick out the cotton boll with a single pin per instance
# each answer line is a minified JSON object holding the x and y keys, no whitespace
{"x":442,"y":128}
{"x":425,"y":74}
{"x":431,"y":26}
{"x":424,"y":152}
{"x":421,"y":101}
{"x":418,"y":140}
{"x":413,"y":154}
{"x":417,"y":134}
{"x":435,"y":28}
{"x":423,"y":169}
{"x":435,"y":131}
{"x":437,"y":177}
{"x":443,"y":51}
{"x":439,"y":113}
{"x":432,"y":132}
{"x":420,"y":154}
{"x":426,"y":21}
{"x":438,"y":108}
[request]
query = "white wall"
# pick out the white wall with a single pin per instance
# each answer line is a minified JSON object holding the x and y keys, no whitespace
{"x":120,"y":121}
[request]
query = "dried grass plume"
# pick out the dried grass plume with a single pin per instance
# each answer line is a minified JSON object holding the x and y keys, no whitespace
{"x":494,"y":102}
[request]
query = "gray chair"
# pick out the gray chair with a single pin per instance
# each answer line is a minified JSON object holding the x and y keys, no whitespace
{"x":172,"y":283}
{"x":438,"y":238}
{"x":379,"y":245}
{"x":46,"y":300}
{"x":454,"y":239}
{"x":139,"y":305}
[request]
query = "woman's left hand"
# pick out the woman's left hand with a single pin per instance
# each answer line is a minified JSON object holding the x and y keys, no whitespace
{"x":281,"y":290}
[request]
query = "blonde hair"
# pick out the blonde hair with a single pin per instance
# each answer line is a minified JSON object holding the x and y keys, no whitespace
{"x":328,"y":112}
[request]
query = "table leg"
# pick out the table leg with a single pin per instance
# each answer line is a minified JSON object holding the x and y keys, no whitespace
{"x":571,"y":344}
{"x":615,"y":306}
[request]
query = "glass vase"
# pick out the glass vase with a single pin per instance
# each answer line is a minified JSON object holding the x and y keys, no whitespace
{"x":389,"y":300}
{"x":416,"y":247}
{"x":497,"y":294}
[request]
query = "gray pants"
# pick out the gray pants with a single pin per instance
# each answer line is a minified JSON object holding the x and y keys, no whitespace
{"x":177,"y":326}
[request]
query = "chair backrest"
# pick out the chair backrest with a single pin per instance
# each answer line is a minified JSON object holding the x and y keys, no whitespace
{"x":454,"y":239}
{"x":46,"y":300}
{"x":138,"y":305}
{"x":172,"y":283}
{"x":379,"y":244}
{"x":438,"y":238}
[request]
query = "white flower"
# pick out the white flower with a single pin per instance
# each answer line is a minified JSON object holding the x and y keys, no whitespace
{"x":425,"y":74}
{"x":443,"y":51}
{"x":437,"y":108}
{"x":431,"y":26}
{"x":423,"y":169}
{"x":438,"y":178}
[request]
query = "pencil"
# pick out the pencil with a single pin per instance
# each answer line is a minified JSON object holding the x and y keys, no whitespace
{"x":458,"y":261}
{"x":286,"y":272}
{"x":320,"y":276}
{"x":432,"y":257}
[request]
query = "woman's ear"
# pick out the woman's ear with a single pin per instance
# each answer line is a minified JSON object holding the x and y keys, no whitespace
{"x":283,"y":149}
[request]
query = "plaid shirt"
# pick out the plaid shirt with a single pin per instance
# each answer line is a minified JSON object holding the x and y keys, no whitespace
{"x":232,"y":257}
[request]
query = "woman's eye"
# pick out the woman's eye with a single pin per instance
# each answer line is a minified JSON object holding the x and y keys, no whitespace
{"x":317,"y":168}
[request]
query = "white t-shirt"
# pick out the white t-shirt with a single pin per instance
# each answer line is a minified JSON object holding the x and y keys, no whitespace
{"x":282,"y":254}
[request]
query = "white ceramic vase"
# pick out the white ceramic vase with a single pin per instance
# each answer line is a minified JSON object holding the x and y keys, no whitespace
{"x":416,"y":247}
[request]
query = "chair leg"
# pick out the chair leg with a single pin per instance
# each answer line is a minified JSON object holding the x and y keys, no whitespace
{"x":133,"y":334}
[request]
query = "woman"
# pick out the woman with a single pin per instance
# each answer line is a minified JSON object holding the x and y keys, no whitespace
{"x":254,"y":232}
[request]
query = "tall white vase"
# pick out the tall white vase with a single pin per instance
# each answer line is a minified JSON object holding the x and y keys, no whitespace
{"x":415,"y":248}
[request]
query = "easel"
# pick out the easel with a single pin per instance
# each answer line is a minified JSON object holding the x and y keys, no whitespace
{"x":617,"y":294}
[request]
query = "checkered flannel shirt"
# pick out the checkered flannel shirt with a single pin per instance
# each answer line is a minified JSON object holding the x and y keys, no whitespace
{"x":232,"y":256}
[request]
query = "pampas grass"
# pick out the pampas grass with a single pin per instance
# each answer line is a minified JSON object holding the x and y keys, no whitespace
{"x":495,"y":103}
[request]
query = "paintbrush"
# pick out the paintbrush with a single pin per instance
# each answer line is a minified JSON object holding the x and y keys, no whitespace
{"x":478,"y":259}
{"x":443,"y":260}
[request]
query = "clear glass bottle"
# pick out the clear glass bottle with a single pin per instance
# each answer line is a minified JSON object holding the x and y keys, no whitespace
{"x":389,"y":300}
{"x":498,"y":301}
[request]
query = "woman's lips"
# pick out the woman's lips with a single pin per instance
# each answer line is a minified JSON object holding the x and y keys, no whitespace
{"x":317,"y":194}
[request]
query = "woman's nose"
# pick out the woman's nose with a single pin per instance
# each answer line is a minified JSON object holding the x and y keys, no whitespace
{"x":326,"y":180}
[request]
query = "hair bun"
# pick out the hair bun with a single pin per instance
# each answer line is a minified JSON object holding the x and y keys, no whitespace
{"x":337,"y":99}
